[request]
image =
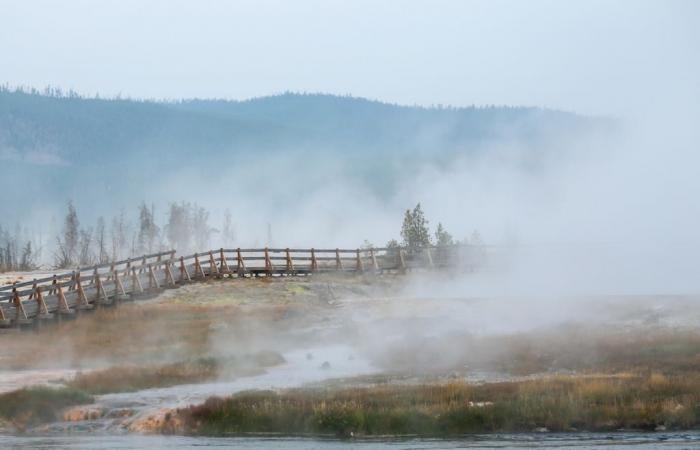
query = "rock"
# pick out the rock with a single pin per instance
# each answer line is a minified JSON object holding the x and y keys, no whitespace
{"x":541,"y":430}
{"x":660,"y":428}
{"x":326,"y":365}
{"x":81,"y":413}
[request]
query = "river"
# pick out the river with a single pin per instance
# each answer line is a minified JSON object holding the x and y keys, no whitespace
{"x":645,"y":441}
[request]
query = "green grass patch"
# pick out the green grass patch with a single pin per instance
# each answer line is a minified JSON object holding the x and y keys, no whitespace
{"x":594,"y":403}
{"x":32,"y":406}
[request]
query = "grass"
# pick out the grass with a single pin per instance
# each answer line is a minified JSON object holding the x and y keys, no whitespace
{"x":141,"y":333}
{"x":580,"y":349}
{"x":32,"y":406}
{"x":135,"y":378}
{"x":593,"y":403}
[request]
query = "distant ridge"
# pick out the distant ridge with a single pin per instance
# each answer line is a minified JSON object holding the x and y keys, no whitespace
{"x":117,"y":141}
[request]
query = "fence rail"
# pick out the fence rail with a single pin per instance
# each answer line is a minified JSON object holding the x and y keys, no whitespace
{"x":65,"y":294}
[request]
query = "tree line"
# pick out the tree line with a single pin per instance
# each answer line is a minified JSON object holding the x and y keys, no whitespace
{"x":415,"y":233}
{"x":18,"y":251}
{"x":186,"y":228}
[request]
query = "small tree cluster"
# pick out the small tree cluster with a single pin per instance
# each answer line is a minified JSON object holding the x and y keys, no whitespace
{"x":415,"y":232}
{"x":187,"y":228}
{"x":17,"y":251}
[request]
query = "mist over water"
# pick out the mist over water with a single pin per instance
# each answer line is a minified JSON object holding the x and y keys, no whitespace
{"x":583,"y":187}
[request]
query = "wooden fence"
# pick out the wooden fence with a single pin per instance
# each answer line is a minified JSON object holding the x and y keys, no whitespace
{"x":65,"y":294}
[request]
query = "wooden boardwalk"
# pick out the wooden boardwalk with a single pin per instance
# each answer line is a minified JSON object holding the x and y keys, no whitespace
{"x":68,"y":293}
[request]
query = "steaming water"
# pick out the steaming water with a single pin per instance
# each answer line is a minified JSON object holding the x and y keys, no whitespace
{"x":646,"y":441}
{"x":301,"y":366}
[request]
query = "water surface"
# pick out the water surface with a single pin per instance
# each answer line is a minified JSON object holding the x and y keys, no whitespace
{"x":584,"y":441}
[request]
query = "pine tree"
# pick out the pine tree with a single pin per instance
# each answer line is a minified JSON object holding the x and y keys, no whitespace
{"x":67,"y":243}
{"x":442,"y":237}
{"x":178,"y":229}
{"x":71,"y":233}
{"x":200,"y":227}
{"x":414,"y":230}
{"x":476,"y":238}
{"x":148,"y":230}
{"x":28,"y":261}
{"x":101,"y":241}
{"x":119,"y":232}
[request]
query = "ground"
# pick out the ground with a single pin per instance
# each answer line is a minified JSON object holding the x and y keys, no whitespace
{"x":146,"y":365}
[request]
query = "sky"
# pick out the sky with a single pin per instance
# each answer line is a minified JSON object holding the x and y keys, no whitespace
{"x":593,"y":57}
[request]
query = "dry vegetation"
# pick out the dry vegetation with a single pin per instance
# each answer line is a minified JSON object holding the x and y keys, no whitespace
{"x":593,"y":403}
{"x":33,"y":406}
{"x":179,"y":327}
{"x":585,"y":376}
{"x":135,"y":378}
{"x":577,"y":349}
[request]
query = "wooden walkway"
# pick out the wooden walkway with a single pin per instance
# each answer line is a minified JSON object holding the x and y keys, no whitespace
{"x":65,"y":294}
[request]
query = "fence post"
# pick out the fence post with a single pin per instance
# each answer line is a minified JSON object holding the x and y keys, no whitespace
{"x":78,"y":283}
{"x":118,"y":285}
{"x":63,"y":307}
{"x":358,"y":266}
{"x":224,"y":264}
{"x":20,"y":313}
{"x":338,"y":262}
{"x":100,"y":290}
{"x":290,"y":265}
{"x":198,"y":267}
{"x":152,"y":280}
{"x":136,"y":280}
{"x":213,"y":269}
{"x":184,"y":273}
{"x":430,"y":257}
{"x":268,"y":263}
{"x":314,"y":263}
{"x":40,"y":303}
{"x":240,"y":264}
{"x":375,"y":266}
{"x":402,"y":261}
{"x":3,"y":319}
{"x":169,"y":273}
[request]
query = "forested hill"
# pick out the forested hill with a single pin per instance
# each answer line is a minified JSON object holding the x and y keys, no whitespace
{"x":61,"y":142}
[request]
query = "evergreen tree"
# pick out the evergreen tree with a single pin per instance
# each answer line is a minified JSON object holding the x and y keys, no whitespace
{"x":414,"y":230}
{"x":476,"y":238}
{"x":442,"y":237}
{"x":101,"y":241}
{"x":86,"y":257}
{"x":178,"y":229}
{"x":67,"y":244}
{"x":148,"y":230}
{"x":200,"y":227}
{"x":28,"y":261}
{"x":71,"y":233}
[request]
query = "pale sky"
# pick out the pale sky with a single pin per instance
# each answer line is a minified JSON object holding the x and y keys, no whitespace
{"x":597,"y":57}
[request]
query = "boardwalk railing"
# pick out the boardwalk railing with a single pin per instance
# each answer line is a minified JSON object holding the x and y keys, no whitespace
{"x":66,"y":293}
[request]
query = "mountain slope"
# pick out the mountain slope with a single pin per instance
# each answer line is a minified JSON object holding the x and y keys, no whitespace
{"x":56,"y":148}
